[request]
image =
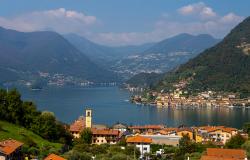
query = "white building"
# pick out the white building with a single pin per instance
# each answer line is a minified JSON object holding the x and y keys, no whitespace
{"x":142,"y":143}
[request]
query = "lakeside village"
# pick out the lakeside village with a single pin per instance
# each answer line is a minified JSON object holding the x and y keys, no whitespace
{"x":180,"y":98}
{"x":143,"y":137}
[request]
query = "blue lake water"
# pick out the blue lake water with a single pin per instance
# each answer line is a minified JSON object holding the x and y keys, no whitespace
{"x":110,"y":105}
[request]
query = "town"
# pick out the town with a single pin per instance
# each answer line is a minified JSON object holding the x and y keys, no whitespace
{"x":149,"y":140}
{"x":179,"y":98}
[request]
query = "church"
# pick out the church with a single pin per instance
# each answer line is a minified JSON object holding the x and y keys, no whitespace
{"x":101,"y":134}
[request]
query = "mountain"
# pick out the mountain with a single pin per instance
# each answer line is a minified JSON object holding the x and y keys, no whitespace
{"x":25,"y":55}
{"x":145,"y":80}
{"x":224,"y":67}
{"x":165,"y":55}
{"x":104,"y":54}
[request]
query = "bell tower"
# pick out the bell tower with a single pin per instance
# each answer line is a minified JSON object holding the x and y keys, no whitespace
{"x":88,"y":118}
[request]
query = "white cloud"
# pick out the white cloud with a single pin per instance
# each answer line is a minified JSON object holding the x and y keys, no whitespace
{"x":199,"y":9}
{"x":60,"y":20}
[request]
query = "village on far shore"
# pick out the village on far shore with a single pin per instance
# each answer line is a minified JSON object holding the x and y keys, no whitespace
{"x":180,"y":98}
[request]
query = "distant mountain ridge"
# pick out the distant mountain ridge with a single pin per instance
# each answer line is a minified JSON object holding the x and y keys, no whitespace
{"x":104,"y":54}
{"x":25,"y":54}
{"x":224,"y":67}
{"x":167,"y":54}
{"x":183,"y":43}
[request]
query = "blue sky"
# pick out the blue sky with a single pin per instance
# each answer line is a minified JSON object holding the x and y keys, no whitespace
{"x":123,"y":22}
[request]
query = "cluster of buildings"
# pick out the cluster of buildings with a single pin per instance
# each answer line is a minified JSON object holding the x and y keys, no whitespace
{"x":180,"y":98}
{"x":143,"y":136}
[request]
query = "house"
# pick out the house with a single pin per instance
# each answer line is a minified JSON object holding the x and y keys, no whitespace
{"x":120,"y":127}
{"x":142,"y":143}
{"x":54,"y":157}
{"x":185,"y":131}
{"x":103,"y":136}
{"x":146,"y":128}
{"x":224,"y":154}
{"x":10,"y":149}
{"x":217,"y":133}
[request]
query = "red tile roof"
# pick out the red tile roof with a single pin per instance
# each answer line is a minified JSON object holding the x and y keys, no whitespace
{"x":138,"y":139}
{"x":224,"y":154}
{"x":78,"y":125}
{"x":105,"y":132}
{"x":54,"y":157}
{"x":215,"y":128}
{"x":9,"y":146}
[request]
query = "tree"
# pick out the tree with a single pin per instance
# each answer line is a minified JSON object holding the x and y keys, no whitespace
{"x":86,"y":136}
{"x":235,"y":142}
{"x":246,"y":146}
{"x":45,"y":125}
{"x":246,"y":127}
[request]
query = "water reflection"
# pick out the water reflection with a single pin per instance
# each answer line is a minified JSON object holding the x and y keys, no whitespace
{"x":110,"y":105}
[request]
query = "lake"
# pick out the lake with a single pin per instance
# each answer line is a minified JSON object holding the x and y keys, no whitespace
{"x":111,"y":105}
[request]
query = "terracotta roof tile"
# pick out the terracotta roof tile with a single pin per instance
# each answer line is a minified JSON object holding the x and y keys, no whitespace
{"x":138,"y":139}
{"x":78,"y":125}
{"x":224,"y":154}
{"x":9,"y":146}
{"x":54,"y":157}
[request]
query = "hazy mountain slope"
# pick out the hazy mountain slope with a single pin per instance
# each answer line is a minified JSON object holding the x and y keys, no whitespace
{"x":104,"y":54}
{"x":46,"y":52}
{"x":165,"y":55}
{"x":224,"y":67}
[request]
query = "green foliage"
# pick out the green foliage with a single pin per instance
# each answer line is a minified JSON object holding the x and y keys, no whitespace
{"x":193,"y":156}
{"x":14,"y":110}
{"x":86,"y":136}
{"x":33,"y":143}
{"x":74,"y":155}
{"x":246,"y":146}
{"x":235,"y":142}
{"x":119,"y":156}
{"x":246,"y":127}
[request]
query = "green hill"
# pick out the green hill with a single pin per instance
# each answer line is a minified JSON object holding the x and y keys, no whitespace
{"x":19,"y":133}
{"x":224,"y":67}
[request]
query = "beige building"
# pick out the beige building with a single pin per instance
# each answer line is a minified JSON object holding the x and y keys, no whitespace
{"x":103,"y":136}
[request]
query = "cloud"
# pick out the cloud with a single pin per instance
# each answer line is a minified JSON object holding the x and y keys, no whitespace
{"x":199,"y":9}
{"x":197,"y":18}
{"x":60,"y":20}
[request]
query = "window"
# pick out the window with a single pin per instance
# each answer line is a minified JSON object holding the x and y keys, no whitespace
{"x":145,"y":148}
{"x":88,"y":114}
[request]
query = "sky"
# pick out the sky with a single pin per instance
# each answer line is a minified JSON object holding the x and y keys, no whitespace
{"x":124,"y":22}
